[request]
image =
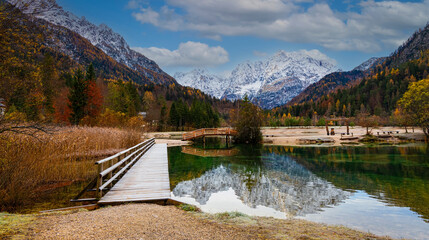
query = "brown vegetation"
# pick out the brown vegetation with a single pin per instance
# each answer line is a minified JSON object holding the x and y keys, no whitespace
{"x":68,"y":154}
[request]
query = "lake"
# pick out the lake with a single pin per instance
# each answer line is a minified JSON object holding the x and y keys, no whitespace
{"x":380,"y":189}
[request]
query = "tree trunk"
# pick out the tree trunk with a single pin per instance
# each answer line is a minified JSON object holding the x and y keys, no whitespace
{"x":406,"y":130}
{"x":426,"y":132}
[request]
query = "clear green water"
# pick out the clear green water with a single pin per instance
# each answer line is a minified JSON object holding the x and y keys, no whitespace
{"x":381,"y":189}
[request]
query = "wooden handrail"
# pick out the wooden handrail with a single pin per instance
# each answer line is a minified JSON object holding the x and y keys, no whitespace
{"x":111,"y":168}
{"x":120,"y":153}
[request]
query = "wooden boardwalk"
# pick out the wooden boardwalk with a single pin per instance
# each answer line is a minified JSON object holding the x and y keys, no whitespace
{"x":147,"y":179}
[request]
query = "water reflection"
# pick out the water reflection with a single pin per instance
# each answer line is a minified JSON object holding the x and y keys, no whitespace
{"x":281,"y":184}
{"x":395,"y":175}
{"x":384,"y":190}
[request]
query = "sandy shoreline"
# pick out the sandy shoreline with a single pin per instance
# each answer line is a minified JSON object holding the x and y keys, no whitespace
{"x":290,"y":136}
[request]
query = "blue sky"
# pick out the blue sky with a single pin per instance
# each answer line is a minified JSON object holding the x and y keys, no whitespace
{"x":218,"y":34}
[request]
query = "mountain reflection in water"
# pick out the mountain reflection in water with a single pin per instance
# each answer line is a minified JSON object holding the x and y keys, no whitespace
{"x":381,"y":189}
{"x":281,"y":184}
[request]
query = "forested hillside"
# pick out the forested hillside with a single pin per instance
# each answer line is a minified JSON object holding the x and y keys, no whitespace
{"x":410,"y":50}
{"x":374,"y":92}
{"x":44,"y":68}
{"x":327,"y":84}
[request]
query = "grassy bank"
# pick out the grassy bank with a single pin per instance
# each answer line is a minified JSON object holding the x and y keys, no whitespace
{"x":30,"y":166}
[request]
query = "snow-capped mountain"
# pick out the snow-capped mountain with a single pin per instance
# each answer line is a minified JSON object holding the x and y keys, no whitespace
{"x":300,"y":193}
{"x":103,"y":37}
{"x":370,"y":63}
{"x":269,"y":83}
{"x":201,"y":79}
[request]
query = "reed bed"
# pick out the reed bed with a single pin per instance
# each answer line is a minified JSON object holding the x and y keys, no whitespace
{"x":31,"y":165}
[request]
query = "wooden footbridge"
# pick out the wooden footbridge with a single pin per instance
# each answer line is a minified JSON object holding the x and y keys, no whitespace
{"x":137,"y":174}
{"x":209,"y":132}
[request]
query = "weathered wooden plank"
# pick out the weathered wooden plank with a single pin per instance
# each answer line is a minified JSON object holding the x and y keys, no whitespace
{"x":147,"y":180}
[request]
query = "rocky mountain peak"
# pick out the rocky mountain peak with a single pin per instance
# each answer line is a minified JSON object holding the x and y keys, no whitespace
{"x":269,"y":83}
{"x":102,"y":36}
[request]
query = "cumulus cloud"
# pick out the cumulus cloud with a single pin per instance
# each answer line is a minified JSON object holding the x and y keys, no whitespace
{"x":189,"y":54}
{"x":371,"y":27}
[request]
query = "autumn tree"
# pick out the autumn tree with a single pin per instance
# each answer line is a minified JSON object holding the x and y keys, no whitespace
{"x":148,"y":100}
{"x":367,"y":121}
{"x":401,"y":119}
{"x":95,"y":98}
{"x":415,"y":103}
{"x":249,"y":123}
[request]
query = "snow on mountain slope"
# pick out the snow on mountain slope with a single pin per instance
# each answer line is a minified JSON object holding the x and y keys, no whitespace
{"x":201,"y":79}
{"x":100,"y":36}
{"x":269,"y":83}
{"x":370,"y":63}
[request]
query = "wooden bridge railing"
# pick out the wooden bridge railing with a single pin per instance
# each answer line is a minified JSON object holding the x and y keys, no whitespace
{"x":111,"y":168}
{"x":207,"y":132}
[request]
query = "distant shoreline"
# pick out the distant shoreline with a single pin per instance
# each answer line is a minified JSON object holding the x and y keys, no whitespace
{"x":290,"y":136}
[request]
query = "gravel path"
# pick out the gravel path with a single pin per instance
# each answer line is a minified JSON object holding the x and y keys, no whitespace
{"x":134,"y":221}
{"x":150,"y":221}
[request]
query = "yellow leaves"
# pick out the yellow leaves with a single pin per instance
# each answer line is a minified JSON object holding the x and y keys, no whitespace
{"x":397,"y":112}
{"x":394,"y":71}
{"x":415,"y":102}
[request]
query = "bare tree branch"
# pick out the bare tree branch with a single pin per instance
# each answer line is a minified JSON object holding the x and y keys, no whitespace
{"x":31,"y":129}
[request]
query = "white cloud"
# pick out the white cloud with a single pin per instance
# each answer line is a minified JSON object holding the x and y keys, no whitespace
{"x":376,"y":26}
{"x":189,"y":54}
{"x":134,"y":4}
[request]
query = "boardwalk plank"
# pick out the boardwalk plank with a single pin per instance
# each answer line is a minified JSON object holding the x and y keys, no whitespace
{"x":147,"y":180}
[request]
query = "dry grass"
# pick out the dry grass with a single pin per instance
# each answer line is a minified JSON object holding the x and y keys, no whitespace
{"x":29,"y":165}
{"x":14,"y":225}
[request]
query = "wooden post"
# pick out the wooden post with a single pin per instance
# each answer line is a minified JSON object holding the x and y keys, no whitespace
{"x":348,"y":132}
{"x":99,"y":181}
{"x":109,"y":175}
{"x":327,"y":129}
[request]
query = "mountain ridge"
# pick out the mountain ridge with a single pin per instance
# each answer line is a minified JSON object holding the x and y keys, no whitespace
{"x":268,"y":83}
{"x":102,"y":36}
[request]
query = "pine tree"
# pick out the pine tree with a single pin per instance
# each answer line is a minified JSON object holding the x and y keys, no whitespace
{"x":49,"y":75}
{"x":78,"y":97}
